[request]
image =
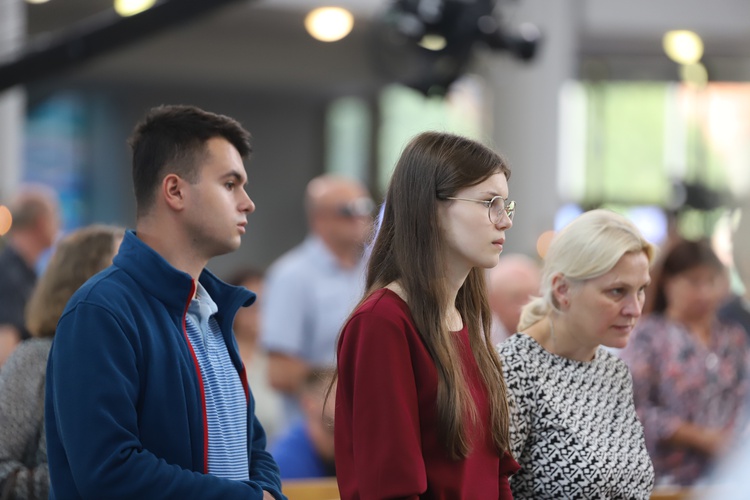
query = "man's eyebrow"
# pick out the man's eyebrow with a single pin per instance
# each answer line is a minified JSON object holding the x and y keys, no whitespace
{"x":236,"y":174}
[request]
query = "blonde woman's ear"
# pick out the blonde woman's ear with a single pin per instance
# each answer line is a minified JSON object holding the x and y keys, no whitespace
{"x":560,"y":291}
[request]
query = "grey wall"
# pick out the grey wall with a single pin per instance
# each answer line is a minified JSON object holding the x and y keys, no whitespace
{"x":287,"y":139}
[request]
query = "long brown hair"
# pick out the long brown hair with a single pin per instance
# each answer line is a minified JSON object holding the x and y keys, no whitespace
{"x":409,"y":249}
{"x":78,"y":256}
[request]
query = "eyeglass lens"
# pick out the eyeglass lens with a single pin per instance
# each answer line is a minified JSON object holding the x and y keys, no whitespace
{"x":360,"y":207}
{"x":497,"y":208}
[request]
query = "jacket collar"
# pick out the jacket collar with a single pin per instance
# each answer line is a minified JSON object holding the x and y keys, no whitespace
{"x":174,"y":288}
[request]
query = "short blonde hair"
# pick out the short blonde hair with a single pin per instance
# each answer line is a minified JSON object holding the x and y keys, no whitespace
{"x":78,"y":256}
{"x":587,"y":248}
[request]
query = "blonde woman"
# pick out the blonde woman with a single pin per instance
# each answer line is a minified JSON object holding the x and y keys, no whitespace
{"x":574,"y":428}
{"x":23,"y":451}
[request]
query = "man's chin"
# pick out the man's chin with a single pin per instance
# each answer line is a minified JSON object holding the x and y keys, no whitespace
{"x":230,"y":247}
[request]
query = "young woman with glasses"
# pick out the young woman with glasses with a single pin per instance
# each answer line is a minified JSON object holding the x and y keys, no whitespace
{"x":420,"y":405}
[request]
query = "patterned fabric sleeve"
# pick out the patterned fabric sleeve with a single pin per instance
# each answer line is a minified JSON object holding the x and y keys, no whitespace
{"x":21,"y":414}
{"x":659,"y":418}
{"x":740,"y":351}
{"x":520,"y":397}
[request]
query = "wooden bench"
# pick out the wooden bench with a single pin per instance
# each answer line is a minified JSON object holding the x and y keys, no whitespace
{"x":327,"y":489}
{"x":311,"y":489}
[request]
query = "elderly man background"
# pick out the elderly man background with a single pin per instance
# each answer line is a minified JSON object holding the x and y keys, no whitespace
{"x":311,"y":289}
{"x":510,"y":286}
{"x":36,"y":222}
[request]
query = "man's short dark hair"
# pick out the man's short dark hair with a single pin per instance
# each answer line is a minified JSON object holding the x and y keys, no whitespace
{"x":172,"y":139}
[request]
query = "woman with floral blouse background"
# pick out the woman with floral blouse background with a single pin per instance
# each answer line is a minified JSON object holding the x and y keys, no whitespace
{"x":689,"y":369}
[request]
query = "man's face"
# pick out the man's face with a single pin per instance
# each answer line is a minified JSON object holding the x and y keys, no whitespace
{"x":217,"y":206}
{"x":511,"y":299}
{"x":343,"y":216}
{"x":49,"y":224}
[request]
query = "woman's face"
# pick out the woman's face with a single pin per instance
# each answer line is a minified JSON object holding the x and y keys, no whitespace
{"x":470,"y":238}
{"x":694,"y":294}
{"x":604,"y":310}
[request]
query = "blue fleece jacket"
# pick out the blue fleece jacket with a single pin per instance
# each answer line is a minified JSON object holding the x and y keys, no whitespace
{"x":125,"y":407}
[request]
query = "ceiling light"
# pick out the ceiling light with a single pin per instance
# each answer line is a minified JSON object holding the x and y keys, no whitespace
{"x":683,"y":47}
{"x":132,"y":7}
{"x":37,"y":1}
{"x":329,"y":24}
{"x":433,"y":42}
{"x":694,"y":74}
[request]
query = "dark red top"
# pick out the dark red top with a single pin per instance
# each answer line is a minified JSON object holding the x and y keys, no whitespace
{"x":387,"y":443}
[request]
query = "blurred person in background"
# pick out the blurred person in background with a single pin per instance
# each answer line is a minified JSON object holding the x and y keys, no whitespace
{"x":574,"y":428}
{"x":731,"y":479}
{"x":510,"y":286}
{"x":268,"y":403}
{"x":36,"y":223}
{"x":23,"y":448}
{"x":737,"y":308}
{"x":311,"y":289}
{"x":306,"y":449}
{"x":420,"y":399}
{"x":689,"y":368}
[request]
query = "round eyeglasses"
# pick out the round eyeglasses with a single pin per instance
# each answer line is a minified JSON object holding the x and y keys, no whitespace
{"x":495,"y":207}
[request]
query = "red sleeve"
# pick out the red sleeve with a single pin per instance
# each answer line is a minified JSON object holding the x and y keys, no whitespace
{"x":508,"y":467}
{"x":378,"y":444}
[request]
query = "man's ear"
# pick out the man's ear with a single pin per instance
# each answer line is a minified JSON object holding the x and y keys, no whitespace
{"x":172,"y":190}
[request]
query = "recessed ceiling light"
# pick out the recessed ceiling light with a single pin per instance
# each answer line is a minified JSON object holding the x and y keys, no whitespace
{"x":329,"y":24}
{"x":683,"y":46}
{"x":433,"y":42}
{"x":132,"y":7}
{"x":694,"y":74}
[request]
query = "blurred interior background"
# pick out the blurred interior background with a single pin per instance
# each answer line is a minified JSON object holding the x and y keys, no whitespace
{"x":593,"y":102}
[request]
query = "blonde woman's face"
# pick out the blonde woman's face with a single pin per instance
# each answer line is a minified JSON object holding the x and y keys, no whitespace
{"x":604,"y":310}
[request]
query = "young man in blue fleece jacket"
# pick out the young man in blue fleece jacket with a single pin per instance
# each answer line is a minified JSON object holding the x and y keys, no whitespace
{"x":146,"y":395}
